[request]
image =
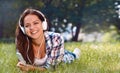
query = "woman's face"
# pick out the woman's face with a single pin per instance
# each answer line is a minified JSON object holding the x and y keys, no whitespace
{"x":33,"y":26}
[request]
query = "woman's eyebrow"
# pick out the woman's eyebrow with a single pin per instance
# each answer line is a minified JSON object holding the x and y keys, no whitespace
{"x":36,"y":20}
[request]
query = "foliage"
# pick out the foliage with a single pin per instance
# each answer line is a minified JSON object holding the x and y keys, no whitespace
{"x":90,"y":15}
{"x":95,"y":58}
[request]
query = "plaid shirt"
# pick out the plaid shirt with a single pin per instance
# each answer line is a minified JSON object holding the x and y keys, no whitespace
{"x":54,"y":47}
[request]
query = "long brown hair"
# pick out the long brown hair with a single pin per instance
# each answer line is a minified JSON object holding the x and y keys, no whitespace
{"x":23,"y":42}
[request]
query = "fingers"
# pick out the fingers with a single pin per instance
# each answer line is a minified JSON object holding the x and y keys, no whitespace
{"x":22,"y":66}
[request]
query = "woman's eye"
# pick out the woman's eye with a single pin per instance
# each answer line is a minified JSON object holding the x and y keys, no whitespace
{"x":27,"y":26}
{"x":36,"y":23}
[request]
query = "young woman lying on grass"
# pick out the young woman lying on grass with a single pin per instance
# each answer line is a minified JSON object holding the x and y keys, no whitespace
{"x":40,"y":48}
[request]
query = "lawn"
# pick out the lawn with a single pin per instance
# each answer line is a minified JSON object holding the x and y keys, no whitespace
{"x":95,"y":58}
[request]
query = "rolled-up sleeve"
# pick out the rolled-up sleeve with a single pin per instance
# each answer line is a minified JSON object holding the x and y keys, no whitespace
{"x":57,"y":51}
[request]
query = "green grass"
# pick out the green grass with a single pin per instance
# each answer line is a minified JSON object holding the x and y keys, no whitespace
{"x":95,"y":58}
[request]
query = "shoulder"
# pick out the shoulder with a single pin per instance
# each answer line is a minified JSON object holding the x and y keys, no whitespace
{"x":54,"y":35}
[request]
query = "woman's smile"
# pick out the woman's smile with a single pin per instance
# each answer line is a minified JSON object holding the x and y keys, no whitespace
{"x":34,"y":32}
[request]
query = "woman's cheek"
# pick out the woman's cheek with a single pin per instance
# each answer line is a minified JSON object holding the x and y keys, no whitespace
{"x":27,"y":31}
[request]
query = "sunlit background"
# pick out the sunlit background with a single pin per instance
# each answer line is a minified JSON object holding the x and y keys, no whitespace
{"x":76,"y":20}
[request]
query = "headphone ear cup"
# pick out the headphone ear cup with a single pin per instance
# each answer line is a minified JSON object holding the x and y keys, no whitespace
{"x":44,"y":25}
{"x":22,"y":29}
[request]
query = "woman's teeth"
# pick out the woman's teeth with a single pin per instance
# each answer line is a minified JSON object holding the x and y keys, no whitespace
{"x":34,"y":32}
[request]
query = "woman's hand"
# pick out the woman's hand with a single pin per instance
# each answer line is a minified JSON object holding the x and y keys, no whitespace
{"x":23,"y":66}
{"x":27,"y":67}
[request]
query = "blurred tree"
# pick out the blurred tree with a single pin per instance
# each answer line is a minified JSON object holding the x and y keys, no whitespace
{"x":117,"y":17}
{"x":69,"y":10}
{"x":91,"y":15}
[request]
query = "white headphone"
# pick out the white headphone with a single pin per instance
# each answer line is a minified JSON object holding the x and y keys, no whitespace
{"x":44,"y":23}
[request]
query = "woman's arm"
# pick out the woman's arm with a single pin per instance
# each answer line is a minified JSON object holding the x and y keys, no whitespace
{"x":28,"y":67}
{"x":32,"y":68}
{"x":57,"y":50}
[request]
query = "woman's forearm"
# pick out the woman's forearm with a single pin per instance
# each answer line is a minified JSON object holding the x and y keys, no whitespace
{"x":28,"y":67}
{"x":32,"y":68}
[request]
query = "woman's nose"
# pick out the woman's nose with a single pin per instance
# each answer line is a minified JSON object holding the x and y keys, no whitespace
{"x":31,"y":26}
